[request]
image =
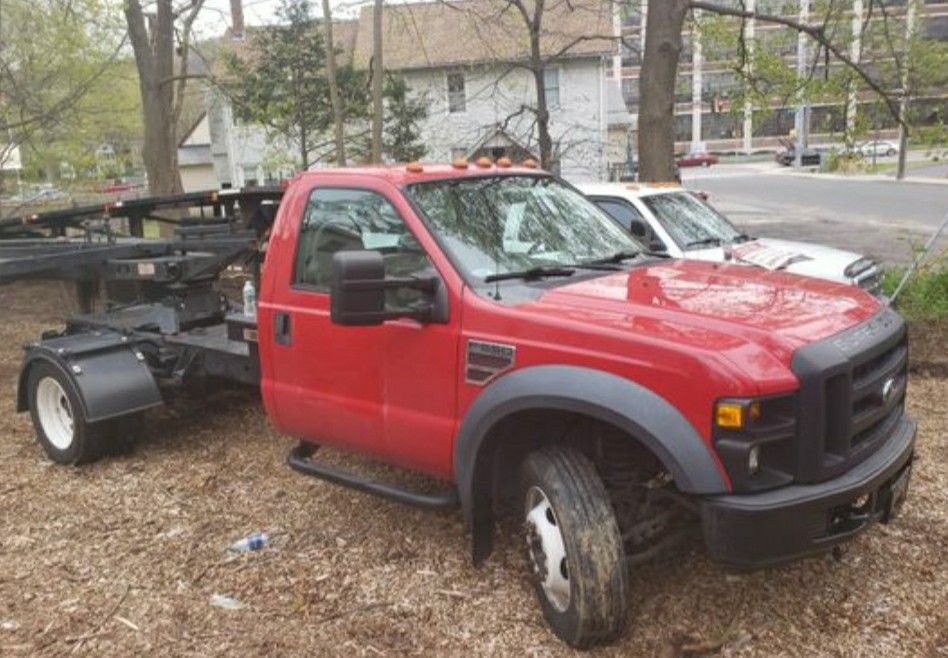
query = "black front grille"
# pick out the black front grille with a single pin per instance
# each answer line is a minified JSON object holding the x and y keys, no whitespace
{"x":852,"y":393}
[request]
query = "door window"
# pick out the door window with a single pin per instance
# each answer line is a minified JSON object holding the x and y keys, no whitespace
{"x":347,"y":220}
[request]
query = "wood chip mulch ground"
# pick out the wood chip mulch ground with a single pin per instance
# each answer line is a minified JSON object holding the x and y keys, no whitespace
{"x":123,"y":557}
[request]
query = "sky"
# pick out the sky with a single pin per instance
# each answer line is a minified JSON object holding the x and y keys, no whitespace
{"x":215,"y":16}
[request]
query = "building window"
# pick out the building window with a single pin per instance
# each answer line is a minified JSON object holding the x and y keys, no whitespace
{"x":551,"y":85}
{"x":458,"y":152}
{"x":457,"y":98}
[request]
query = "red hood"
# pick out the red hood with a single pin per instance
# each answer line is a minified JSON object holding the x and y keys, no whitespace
{"x":715,"y":306}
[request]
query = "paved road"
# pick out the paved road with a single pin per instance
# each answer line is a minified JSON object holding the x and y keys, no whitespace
{"x":878,"y":217}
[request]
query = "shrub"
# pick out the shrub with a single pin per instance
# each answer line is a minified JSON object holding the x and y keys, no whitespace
{"x":925,"y":296}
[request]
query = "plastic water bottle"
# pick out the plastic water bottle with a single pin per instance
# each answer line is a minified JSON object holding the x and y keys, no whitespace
{"x":250,"y":299}
{"x":255,"y":542}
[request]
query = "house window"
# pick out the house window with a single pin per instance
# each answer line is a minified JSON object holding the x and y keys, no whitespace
{"x":551,"y":85}
{"x":457,"y":98}
{"x":458,"y":152}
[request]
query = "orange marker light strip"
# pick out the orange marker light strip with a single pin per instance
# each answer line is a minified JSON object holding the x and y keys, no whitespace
{"x":414,"y":167}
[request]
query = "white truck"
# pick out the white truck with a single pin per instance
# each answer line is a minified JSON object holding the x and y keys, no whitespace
{"x":671,"y":219}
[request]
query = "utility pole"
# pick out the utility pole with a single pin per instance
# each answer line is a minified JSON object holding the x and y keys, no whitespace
{"x":377,"y":73}
{"x":750,"y":26}
{"x":800,"y":121}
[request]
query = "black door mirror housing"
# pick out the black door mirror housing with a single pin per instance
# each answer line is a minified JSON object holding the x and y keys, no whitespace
{"x":638,"y":228}
{"x":357,"y":293}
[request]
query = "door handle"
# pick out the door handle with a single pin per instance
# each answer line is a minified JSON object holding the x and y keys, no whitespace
{"x":282,"y":330}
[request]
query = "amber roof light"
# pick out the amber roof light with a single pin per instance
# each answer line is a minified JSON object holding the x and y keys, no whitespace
{"x":414,"y":167}
{"x":484,"y":162}
{"x":530,"y":163}
{"x":503,"y":162}
{"x":459,"y":163}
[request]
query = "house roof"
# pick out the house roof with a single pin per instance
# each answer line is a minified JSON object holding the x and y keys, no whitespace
{"x":418,"y":35}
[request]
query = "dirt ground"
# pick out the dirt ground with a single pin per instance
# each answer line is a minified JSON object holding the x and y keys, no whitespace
{"x":122,"y":557}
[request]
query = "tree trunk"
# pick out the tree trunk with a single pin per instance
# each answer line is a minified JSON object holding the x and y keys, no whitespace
{"x":664,"y":21}
{"x":377,"y":73}
{"x":154,"y":59}
{"x":903,"y":150}
{"x":333,"y":87}
{"x":544,"y":141}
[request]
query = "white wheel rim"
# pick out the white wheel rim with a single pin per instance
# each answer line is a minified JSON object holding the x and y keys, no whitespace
{"x":547,"y":549}
{"x":55,"y":413}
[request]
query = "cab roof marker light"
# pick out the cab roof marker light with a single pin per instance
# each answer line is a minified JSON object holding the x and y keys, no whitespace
{"x":460,"y":163}
{"x":530,"y":163}
{"x":504,"y":162}
{"x":414,"y":167}
{"x":484,"y":162}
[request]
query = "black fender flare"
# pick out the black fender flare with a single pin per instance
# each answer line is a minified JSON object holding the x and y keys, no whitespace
{"x":629,"y":406}
{"x":107,"y":369}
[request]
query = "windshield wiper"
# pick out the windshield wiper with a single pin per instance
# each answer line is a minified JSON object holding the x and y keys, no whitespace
{"x":532,"y":273}
{"x":742,"y":237}
{"x":698,"y":243}
{"x":615,"y":258}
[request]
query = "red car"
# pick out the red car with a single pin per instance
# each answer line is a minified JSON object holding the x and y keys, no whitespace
{"x":491,"y":327}
{"x":697,"y":159}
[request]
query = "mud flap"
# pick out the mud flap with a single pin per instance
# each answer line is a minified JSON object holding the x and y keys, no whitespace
{"x":109,"y":371}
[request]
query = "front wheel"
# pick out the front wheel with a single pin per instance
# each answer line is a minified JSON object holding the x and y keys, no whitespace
{"x":59,"y":417}
{"x":574,"y":547}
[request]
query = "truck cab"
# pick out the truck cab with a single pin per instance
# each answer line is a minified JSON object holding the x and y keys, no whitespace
{"x":490,"y":326}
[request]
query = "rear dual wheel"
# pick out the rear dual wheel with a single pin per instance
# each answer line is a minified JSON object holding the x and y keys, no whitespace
{"x":59,"y":417}
{"x":574,"y":547}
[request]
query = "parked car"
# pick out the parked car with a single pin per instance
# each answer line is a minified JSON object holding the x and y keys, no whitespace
{"x":122,"y":185}
{"x":876,"y":149}
{"x":787,"y":156}
{"x":491,"y":327}
{"x":697,"y":159}
{"x":678,"y":222}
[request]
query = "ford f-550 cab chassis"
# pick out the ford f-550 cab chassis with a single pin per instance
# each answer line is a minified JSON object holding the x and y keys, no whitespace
{"x":487,"y":325}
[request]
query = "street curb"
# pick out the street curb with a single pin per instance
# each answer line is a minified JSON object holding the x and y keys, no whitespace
{"x":921,"y":180}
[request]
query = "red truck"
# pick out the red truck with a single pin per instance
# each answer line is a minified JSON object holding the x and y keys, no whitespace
{"x":487,"y":325}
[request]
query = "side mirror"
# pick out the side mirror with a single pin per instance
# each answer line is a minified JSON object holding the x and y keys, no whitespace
{"x":357,"y":294}
{"x":638,"y":228}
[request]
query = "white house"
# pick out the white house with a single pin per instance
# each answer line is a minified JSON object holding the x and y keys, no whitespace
{"x":466,"y":59}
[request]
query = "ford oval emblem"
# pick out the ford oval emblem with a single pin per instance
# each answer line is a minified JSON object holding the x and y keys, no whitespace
{"x":888,"y":389}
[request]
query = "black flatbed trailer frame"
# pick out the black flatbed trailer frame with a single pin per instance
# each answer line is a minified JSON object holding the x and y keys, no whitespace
{"x":154,"y":318}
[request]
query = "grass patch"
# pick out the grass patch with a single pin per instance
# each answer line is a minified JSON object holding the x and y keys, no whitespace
{"x":925,"y":296}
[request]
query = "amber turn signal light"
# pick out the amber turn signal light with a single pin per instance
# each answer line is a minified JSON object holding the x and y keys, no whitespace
{"x":735,"y":415}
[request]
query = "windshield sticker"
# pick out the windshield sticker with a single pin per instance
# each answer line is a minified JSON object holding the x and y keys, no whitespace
{"x":768,"y":257}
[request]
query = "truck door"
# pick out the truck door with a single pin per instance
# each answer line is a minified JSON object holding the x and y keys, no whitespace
{"x":387,"y":390}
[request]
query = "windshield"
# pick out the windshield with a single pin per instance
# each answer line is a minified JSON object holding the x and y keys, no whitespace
{"x":504,"y":224}
{"x":691,"y":223}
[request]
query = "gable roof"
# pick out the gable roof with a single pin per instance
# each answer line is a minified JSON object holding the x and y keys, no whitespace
{"x":419,"y":35}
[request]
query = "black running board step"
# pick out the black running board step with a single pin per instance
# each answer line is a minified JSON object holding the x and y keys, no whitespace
{"x":299,"y":460}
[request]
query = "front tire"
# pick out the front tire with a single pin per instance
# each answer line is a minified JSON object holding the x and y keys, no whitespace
{"x":574,"y":548}
{"x":59,"y":417}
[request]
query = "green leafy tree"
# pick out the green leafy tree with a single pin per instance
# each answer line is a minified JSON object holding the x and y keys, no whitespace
{"x":281,"y":82}
{"x":65,"y":84}
{"x":401,"y":139}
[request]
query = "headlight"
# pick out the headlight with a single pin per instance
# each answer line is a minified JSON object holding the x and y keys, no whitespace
{"x":857,"y":267}
{"x":755,"y":438}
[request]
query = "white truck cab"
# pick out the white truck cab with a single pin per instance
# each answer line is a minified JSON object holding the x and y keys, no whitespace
{"x":671,"y":219}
